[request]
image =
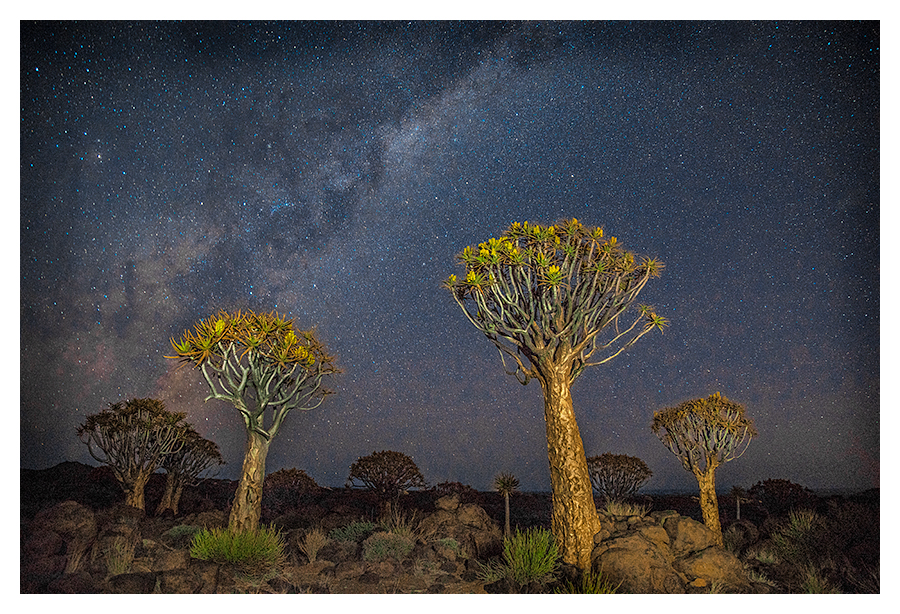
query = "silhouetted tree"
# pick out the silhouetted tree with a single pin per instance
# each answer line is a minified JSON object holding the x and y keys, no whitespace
{"x":617,"y":476}
{"x":132,"y":438}
{"x":543,"y":295}
{"x":703,"y":434}
{"x":182,"y":467}
{"x":263,"y":367}
{"x":387,"y":473}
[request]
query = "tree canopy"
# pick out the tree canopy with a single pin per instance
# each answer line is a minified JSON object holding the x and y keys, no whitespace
{"x":546,"y":292}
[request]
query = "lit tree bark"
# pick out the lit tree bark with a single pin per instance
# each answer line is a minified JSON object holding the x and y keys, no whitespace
{"x":542,"y":296}
{"x":247,"y":507}
{"x":709,"y":503}
{"x":574,"y":515}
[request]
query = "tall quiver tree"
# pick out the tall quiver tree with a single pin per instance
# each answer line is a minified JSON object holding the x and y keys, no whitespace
{"x":133,"y":437}
{"x":703,"y":434}
{"x":265,"y":368}
{"x":543,"y":295}
{"x":184,"y":466}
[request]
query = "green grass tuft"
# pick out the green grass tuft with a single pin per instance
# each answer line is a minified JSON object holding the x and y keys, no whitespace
{"x":253,"y":553}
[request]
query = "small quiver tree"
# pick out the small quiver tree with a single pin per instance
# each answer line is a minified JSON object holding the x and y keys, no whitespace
{"x":703,"y":434}
{"x":262,"y":366}
{"x":184,"y":466}
{"x":617,"y":476}
{"x":133,"y":438}
{"x":506,"y":484}
{"x":543,"y":295}
{"x":387,"y":474}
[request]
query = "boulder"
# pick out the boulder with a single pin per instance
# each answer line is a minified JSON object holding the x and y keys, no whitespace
{"x":639,"y":564}
{"x":663,"y":553}
{"x":468,"y":524}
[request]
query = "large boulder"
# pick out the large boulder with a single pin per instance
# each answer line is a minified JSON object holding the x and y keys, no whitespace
{"x":468,"y":524}
{"x":663,"y":553}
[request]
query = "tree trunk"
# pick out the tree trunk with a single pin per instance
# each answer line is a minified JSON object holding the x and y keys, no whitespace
{"x":506,"y":496}
{"x":709,"y":504}
{"x":247,"y":506}
{"x":166,"y":502}
{"x":574,"y":521}
{"x":134,"y":492}
{"x":176,"y":497}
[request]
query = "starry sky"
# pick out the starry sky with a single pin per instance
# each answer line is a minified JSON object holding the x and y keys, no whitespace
{"x":332,"y":170}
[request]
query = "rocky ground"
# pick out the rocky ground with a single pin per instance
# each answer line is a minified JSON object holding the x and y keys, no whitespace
{"x":76,"y":537}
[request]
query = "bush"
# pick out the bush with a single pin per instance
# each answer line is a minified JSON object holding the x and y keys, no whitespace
{"x":466,"y":493}
{"x":529,"y":556}
{"x":312,"y":542}
{"x":353,"y":532}
{"x":591,"y":584}
{"x":618,"y":508}
{"x":253,"y":553}
{"x":383,"y":545}
{"x":778,"y":497}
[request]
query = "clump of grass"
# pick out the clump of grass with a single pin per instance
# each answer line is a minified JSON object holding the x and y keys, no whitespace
{"x":384,"y":545}
{"x":353,"y":532}
{"x":621,"y":508}
{"x":253,"y":553}
{"x":312,"y":542}
{"x":528,"y":556}
{"x":813,"y":582}
{"x":399,"y":523}
{"x":119,"y":556}
{"x":592,"y":583}
{"x":181,"y":530}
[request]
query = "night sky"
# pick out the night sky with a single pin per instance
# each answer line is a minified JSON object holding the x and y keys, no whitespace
{"x":332,"y":171}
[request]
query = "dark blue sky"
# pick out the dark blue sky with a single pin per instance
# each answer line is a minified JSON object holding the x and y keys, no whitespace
{"x":331,"y":171}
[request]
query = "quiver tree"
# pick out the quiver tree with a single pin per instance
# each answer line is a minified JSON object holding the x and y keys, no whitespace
{"x":387,"y":474}
{"x":182,"y":467}
{"x":703,"y":434}
{"x":543,"y":295}
{"x":506,"y":484}
{"x":262,"y":366}
{"x":133,"y":437}
{"x":617,"y":476}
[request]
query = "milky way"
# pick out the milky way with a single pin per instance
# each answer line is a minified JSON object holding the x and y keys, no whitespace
{"x":332,"y":171}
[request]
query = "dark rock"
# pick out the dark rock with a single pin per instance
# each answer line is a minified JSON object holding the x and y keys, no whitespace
{"x":133,"y":583}
{"x":78,"y":583}
{"x":370,"y":577}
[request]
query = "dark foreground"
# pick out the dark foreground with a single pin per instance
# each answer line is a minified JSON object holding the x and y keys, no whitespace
{"x":844,"y":552}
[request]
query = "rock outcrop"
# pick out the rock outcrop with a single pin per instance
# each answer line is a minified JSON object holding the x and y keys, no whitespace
{"x":663,"y":552}
{"x":468,"y":524}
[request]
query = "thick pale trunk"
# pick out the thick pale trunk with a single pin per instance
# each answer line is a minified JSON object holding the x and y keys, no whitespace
{"x":574,"y":521}
{"x":709,"y":504}
{"x":247,"y":507}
